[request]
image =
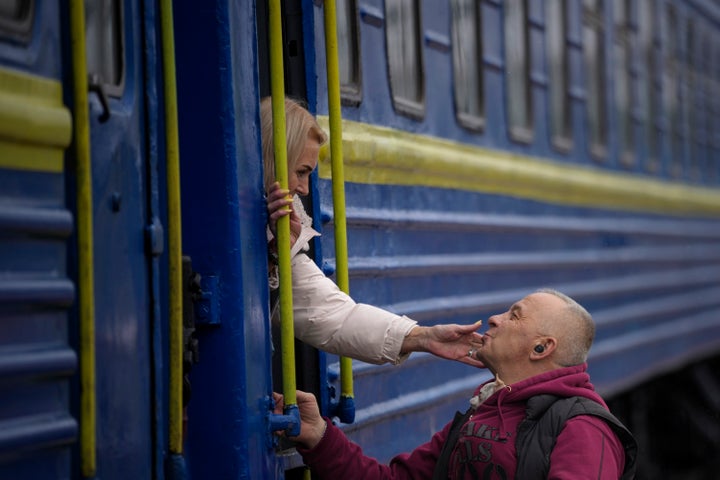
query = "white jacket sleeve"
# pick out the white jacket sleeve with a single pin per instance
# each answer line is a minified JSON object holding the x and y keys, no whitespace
{"x":328,"y":319}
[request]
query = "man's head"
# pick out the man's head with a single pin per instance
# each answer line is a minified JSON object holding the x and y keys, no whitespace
{"x":543,"y":331}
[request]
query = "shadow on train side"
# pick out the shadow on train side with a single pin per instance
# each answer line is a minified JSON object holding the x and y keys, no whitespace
{"x":676,"y":420}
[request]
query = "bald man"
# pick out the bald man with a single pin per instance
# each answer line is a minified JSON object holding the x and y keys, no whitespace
{"x":540,"y":417}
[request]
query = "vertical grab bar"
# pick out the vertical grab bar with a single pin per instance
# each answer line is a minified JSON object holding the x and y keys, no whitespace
{"x":86,"y":273}
{"x":346,"y":407}
{"x":175,"y":314}
{"x":287,"y":332}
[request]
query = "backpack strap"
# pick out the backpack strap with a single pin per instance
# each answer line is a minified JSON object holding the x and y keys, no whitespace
{"x":545,"y":418}
{"x":441,"y":467}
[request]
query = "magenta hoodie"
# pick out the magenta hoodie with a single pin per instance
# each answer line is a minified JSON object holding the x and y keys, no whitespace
{"x":586,"y":448}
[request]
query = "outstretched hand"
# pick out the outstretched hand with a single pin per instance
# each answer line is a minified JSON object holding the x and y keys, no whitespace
{"x":279,"y":204}
{"x":450,"y":341}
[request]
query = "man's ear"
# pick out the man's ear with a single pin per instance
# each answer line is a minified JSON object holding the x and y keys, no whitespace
{"x":544,"y":346}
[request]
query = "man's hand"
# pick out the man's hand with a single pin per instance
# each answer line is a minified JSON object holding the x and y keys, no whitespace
{"x":450,"y":341}
{"x":279,"y":204}
{"x":312,"y":425}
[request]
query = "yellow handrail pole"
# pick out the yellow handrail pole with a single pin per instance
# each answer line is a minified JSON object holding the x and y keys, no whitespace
{"x":277,"y":89}
{"x":86,"y":277}
{"x":338,"y":175}
{"x":175,"y":320}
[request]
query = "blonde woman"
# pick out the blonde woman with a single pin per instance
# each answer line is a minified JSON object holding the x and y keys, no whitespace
{"x":324,"y":316}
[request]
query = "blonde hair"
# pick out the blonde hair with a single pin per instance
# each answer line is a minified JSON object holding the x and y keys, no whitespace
{"x":299,"y":126}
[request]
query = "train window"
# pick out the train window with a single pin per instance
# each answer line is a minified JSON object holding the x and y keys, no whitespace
{"x":348,"y":52}
{"x":650,"y":98}
{"x":16,"y":18}
{"x":404,"y":56}
{"x":672,"y":91}
{"x":517,"y":70}
{"x":623,"y":81}
{"x":556,"y":31}
{"x":104,"y":26}
{"x":712,"y":118}
{"x":594,"y":53}
{"x":705,"y":102}
{"x":467,"y":64}
{"x":693,"y":105}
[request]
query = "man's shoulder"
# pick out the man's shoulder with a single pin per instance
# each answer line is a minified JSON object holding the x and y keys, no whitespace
{"x":552,"y":412}
{"x":547,"y":416}
{"x":537,"y":406}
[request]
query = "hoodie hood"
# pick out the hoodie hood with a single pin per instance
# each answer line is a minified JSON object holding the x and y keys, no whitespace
{"x":562,"y":382}
{"x":508,"y":401}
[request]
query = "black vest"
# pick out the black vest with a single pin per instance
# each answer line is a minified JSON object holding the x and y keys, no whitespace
{"x":536,"y":435}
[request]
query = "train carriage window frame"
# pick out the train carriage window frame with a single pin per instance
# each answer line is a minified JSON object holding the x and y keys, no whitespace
{"x":348,"y":38}
{"x":651,"y":98}
{"x":467,"y":58}
{"x":705,"y":92}
{"x":105,"y":44}
{"x":404,"y":54}
{"x":623,"y":36}
{"x":559,"y":75}
{"x":594,"y":50}
{"x":693,"y":105}
{"x":672,"y":90}
{"x":16,"y":19}
{"x":713,"y":119}
{"x":518,"y":84}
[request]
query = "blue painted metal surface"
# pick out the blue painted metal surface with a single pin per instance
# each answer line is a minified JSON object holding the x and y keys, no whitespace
{"x":224,"y":234}
{"x":122,"y":193}
{"x":41,"y":52}
{"x":449,"y":256}
{"x":650,"y":282}
{"x":37,"y":363}
{"x":438,"y":255}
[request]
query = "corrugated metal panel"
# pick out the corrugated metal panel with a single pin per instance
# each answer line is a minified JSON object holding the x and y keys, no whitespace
{"x":37,"y":361}
{"x":637,"y":274}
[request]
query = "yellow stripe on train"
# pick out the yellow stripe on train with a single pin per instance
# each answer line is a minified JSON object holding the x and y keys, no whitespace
{"x":380,"y":155}
{"x":35,"y":126}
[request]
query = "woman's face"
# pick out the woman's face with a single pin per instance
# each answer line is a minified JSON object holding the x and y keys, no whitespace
{"x":299,"y":177}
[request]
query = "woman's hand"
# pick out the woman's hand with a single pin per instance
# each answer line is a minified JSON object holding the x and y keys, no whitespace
{"x":279,"y":204}
{"x":451,"y":341}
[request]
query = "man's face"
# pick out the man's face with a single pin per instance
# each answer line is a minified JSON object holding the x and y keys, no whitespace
{"x":512,"y":335}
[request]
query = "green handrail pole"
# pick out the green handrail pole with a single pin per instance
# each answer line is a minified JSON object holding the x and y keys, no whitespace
{"x":277,"y":89}
{"x":338,"y":175}
{"x":86,"y":274}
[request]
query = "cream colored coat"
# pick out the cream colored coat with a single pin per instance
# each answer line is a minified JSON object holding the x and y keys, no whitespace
{"x":328,"y":319}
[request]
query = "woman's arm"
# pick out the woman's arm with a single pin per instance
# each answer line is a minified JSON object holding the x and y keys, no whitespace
{"x":330,"y":320}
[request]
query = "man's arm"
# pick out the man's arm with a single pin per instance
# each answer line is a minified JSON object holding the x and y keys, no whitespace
{"x":330,"y":455}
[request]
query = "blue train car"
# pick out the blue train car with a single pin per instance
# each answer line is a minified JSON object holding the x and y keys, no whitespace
{"x":575,"y":147}
{"x":489,"y":147}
